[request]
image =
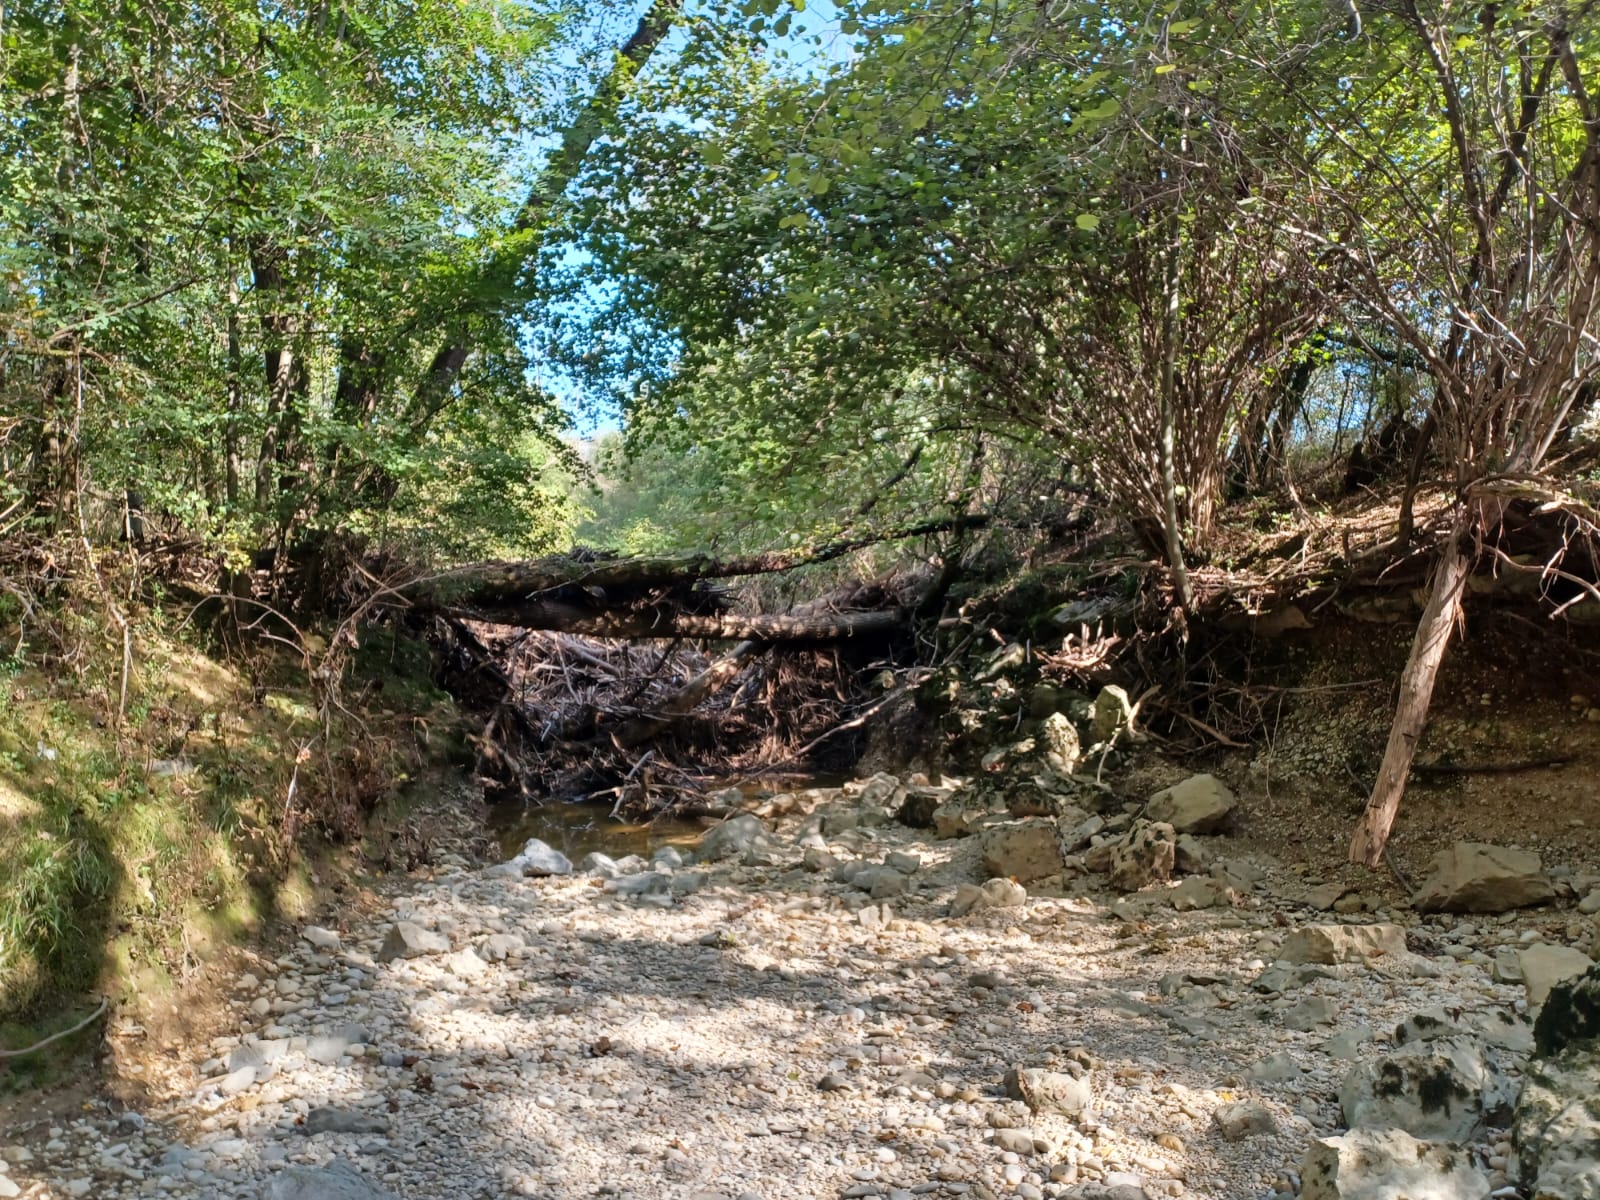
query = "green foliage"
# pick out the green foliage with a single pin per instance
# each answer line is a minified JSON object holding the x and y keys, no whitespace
{"x":1075,"y":228}
{"x":237,"y":244}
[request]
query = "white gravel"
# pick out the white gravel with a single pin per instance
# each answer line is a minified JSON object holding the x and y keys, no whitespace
{"x":575,"y":1043}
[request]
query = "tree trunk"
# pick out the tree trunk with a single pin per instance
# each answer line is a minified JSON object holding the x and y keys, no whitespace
{"x":493,"y":584}
{"x":231,"y":426}
{"x":54,"y":461}
{"x":1416,"y":693}
{"x":281,"y":365}
{"x":1169,"y":483}
{"x":664,"y":621}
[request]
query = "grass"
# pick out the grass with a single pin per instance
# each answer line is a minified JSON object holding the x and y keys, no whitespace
{"x":125,"y":848}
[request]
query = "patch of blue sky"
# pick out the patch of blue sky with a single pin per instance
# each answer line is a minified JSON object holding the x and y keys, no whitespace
{"x":812,"y":43}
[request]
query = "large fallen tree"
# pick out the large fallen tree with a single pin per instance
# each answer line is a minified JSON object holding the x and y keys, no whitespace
{"x":594,"y":676}
{"x":603,"y":596}
{"x":666,"y":620}
{"x":507,"y":585}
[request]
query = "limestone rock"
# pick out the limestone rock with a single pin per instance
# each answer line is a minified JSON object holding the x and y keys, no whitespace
{"x":1058,"y":737}
{"x":539,"y":859}
{"x":406,"y":939}
{"x":1437,"y":1090}
{"x":881,"y":791}
{"x":1497,"y":1027}
{"x":734,"y":837}
{"x":1144,"y":855}
{"x":1556,"y":1128}
{"x":336,"y":1181}
{"x":342,"y":1120}
{"x":323,"y":939}
{"x":918,"y":807}
{"x":1197,"y":891}
{"x":880,"y":882}
{"x":817,"y":859}
{"x":1388,"y":1164}
{"x":961,"y":815}
{"x":1045,"y":802}
{"x":1310,"y":1013}
{"x":1200,"y":804}
{"x":996,"y":893}
{"x":1543,"y":966}
{"x":1478,"y":877}
{"x":1051,"y":1091}
{"x":1112,"y":713}
{"x":465,"y":963}
{"x":1244,"y":1118}
{"x":1192,"y":856}
{"x":1333,"y":944}
{"x":1571,"y":1014}
{"x":1022,"y":850}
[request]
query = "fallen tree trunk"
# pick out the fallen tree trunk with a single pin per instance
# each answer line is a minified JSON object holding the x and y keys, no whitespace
{"x":663,"y":621}
{"x":492,"y":585}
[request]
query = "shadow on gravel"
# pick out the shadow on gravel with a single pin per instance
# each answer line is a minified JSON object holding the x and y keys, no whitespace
{"x":684,"y":1055}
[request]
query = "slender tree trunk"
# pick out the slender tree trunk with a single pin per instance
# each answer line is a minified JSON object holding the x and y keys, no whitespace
{"x":286,"y":377}
{"x":231,"y":426}
{"x":1169,"y":483}
{"x":54,"y":465}
{"x":1416,"y":693}
{"x":1407,"y":523}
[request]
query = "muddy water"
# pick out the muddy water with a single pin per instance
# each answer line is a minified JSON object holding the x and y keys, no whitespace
{"x":577,"y":829}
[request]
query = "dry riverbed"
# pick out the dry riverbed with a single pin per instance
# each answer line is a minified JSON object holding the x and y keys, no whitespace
{"x":761,"y":1026}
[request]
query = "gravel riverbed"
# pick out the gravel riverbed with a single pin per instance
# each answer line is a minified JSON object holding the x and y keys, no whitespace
{"x":761,"y":1028}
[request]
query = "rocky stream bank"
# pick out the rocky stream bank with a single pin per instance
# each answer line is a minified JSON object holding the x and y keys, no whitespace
{"x":1020,"y":986}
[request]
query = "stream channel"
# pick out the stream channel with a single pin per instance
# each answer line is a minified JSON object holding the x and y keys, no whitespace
{"x":577,"y":827}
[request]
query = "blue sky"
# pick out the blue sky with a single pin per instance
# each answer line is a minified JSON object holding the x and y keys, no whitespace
{"x":812,"y":44}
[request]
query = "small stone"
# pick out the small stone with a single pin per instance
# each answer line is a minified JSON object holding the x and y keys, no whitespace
{"x":406,"y":939}
{"x":1050,"y":1091}
{"x":322,"y":939}
{"x":337,"y":1181}
{"x":1197,"y":892}
{"x":1244,"y":1118}
{"x":1275,"y":1068}
{"x":539,"y":859}
{"x":996,"y":893}
{"x":1310,"y":1013}
{"x":903,"y":861}
{"x":817,"y":860}
{"x":342,"y":1120}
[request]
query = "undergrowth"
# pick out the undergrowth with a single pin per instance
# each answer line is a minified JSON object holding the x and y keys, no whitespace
{"x":158,"y":800}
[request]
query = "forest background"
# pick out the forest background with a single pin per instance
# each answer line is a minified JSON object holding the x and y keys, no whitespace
{"x":341,"y":283}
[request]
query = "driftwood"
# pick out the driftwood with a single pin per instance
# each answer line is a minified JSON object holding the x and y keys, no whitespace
{"x":568,"y":712}
{"x":508,"y":586}
{"x":670,"y":621}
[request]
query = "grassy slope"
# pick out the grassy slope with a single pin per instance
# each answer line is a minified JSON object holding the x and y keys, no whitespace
{"x":125,"y":853}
